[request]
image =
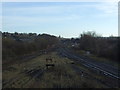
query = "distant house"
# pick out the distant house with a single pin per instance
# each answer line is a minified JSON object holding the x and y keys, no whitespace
{"x":108,"y":38}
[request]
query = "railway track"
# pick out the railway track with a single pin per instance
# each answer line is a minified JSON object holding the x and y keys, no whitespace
{"x":90,"y":65}
{"x":91,"y":77}
{"x":36,"y":72}
{"x":24,"y":78}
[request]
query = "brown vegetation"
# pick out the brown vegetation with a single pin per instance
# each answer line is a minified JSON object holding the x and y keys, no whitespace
{"x":21,"y":44}
{"x":101,"y":46}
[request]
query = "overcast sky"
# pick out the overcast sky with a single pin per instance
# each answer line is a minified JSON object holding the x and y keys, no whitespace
{"x":66,"y":19}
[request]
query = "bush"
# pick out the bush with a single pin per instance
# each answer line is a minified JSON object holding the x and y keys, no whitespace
{"x":100,"y":46}
{"x":16,"y":45}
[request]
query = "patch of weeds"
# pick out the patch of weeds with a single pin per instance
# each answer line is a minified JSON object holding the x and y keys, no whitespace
{"x":11,"y":69}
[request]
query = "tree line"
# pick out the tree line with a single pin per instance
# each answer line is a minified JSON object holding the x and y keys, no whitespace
{"x":20,"y":44}
{"x":107,"y":47}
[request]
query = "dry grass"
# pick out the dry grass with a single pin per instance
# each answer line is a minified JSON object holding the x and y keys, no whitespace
{"x":99,"y":59}
{"x":60,"y":76}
